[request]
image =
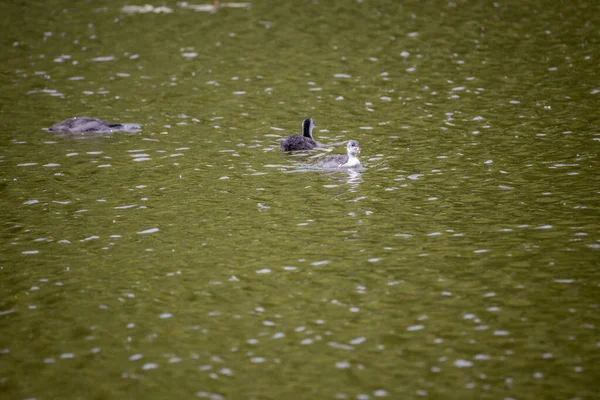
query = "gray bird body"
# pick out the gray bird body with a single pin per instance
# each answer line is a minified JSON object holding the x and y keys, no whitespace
{"x":348,"y":160}
{"x":297,"y":142}
{"x":334,"y":161}
{"x":83,"y":124}
{"x":300,"y":142}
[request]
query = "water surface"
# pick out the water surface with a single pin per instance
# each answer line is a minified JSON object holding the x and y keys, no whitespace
{"x":192,"y":258}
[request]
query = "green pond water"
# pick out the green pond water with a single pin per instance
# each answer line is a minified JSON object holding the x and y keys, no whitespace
{"x":193,"y":259}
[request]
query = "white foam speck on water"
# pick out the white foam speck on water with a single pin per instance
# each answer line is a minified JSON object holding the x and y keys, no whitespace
{"x":415,"y":328}
{"x":29,"y":202}
{"x":165,"y":315}
{"x":146,"y":9}
{"x":31,"y":164}
{"x":263,"y":271}
{"x":151,"y":230}
{"x":30,"y":252}
{"x":564,"y":280}
{"x":319,"y":263}
{"x":239,"y":92}
{"x":257,"y":360}
{"x":103,"y":59}
{"x":149,"y":366}
{"x":125,"y":207}
{"x":189,"y":55}
{"x":358,"y":340}
{"x":137,"y":159}
{"x":208,"y":395}
{"x":340,"y":346}
{"x":136,"y":357}
{"x":463,"y":364}
{"x":342,"y":76}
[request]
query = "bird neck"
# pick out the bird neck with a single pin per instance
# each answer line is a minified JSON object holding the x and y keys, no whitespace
{"x":352,"y":160}
{"x":307,"y":130}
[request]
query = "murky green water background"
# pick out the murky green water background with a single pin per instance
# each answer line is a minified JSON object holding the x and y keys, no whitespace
{"x":194,"y":259}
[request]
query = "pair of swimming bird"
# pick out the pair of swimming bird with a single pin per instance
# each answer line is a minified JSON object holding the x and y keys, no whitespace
{"x":306,"y":142}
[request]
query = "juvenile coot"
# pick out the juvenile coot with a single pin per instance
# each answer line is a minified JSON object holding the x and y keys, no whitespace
{"x":83,"y":124}
{"x":297,"y":142}
{"x":343,"y":161}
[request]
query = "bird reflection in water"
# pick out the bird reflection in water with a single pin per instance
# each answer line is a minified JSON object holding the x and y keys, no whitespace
{"x":350,"y":176}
